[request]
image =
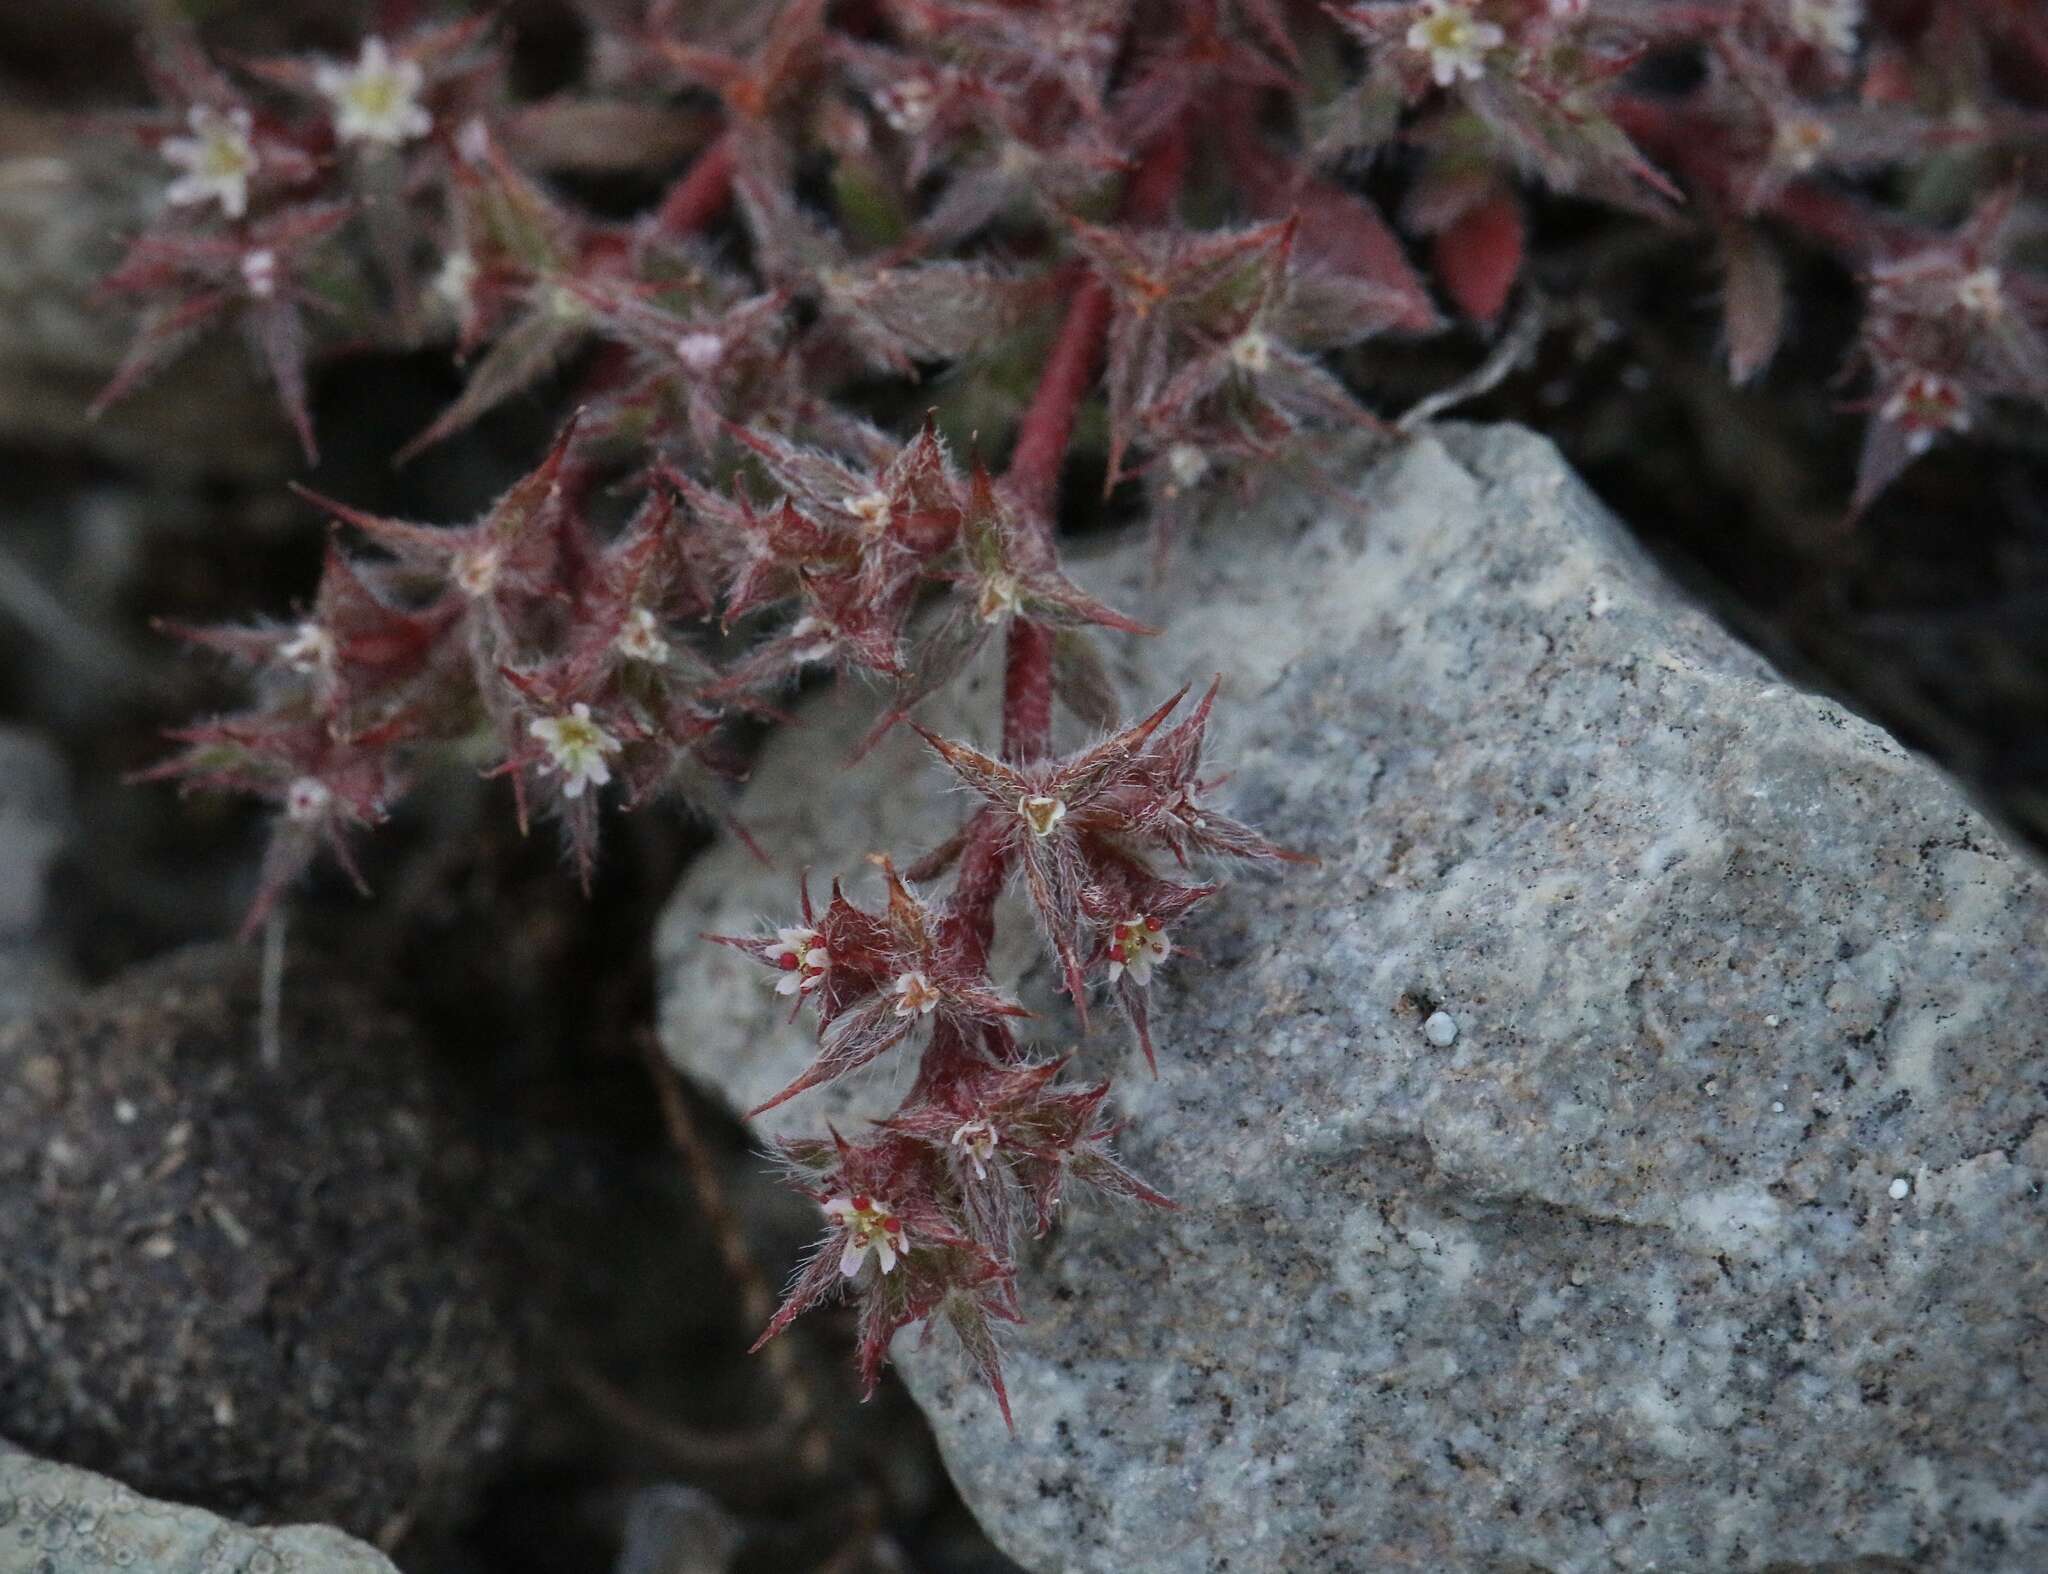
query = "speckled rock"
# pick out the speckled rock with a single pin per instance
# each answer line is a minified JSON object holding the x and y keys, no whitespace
{"x":58,"y":1520}
{"x":1712,"y":1241}
{"x":271,"y":1292}
{"x":33,"y":813}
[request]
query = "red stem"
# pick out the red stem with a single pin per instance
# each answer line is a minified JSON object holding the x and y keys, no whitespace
{"x":1027,"y":691}
{"x":1047,"y":429}
{"x":1048,"y":424}
{"x":1033,"y":482}
{"x":701,"y":195}
{"x":1069,"y":371}
{"x":983,"y":868}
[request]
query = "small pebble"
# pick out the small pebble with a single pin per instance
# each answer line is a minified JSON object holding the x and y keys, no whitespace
{"x":1441,"y":1029}
{"x":1771,"y":1020}
{"x":1777,"y":1107}
{"x":1900,"y":1187}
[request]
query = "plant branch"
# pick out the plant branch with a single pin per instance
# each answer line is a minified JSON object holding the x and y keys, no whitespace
{"x":701,"y":195}
{"x":798,"y":1420}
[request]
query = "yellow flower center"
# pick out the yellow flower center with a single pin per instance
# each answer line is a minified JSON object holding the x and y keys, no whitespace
{"x":1042,"y":814}
{"x":226,"y":155}
{"x":1449,"y":31}
{"x":375,"y":95}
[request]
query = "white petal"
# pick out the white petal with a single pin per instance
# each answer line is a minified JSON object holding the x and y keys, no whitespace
{"x":851,"y":1256}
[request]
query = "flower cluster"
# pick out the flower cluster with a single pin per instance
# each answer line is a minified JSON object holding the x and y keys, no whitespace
{"x":1153,"y":211}
{"x":986,"y":1124}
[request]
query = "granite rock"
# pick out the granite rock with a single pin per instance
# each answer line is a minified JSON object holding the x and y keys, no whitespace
{"x":55,"y":1519}
{"x":1712,"y":1240}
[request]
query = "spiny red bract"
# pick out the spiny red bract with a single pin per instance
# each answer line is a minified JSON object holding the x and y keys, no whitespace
{"x":1149,"y":205}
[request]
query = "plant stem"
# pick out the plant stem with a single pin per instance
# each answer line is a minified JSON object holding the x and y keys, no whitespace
{"x":984,"y":866}
{"x":1048,"y":425}
{"x":699,"y":197}
{"x":1043,"y":438}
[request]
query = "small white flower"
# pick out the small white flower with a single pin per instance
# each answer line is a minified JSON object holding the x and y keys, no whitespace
{"x":870,"y":1227}
{"x":822,"y":635}
{"x":1184,"y":808}
{"x":1981,"y":293}
{"x":999,"y":598}
{"x":1799,"y":141}
{"x":1825,"y":24}
{"x":565,"y":305}
{"x":310,"y":649}
{"x":1187,"y":464}
{"x":1455,"y":40}
{"x":377,"y":99}
{"x":1136,"y":946}
{"x":977,"y":1138}
{"x":872,"y":509}
{"x":576,"y":747}
{"x":802,"y":956}
{"x":908,"y":105}
{"x":218,"y":159}
{"x":1252,"y":351}
{"x":259,"y":273}
{"x":700,"y":351}
{"x":1043,"y":815}
{"x":1924,"y":405}
{"x":641,"y":639}
{"x":306,"y":800}
{"x":915,"y":996}
{"x":476,"y":572}
{"x":1015,"y":159}
{"x":473,"y":140}
{"x":454,"y":281}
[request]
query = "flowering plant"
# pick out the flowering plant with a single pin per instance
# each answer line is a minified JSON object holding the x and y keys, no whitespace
{"x":1153,"y":204}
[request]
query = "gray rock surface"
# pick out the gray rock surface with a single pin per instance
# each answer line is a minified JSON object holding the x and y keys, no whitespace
{"x":34,"y":808}
{"x":677,"y":1529}
{"x":57,"y":1520}
{"x":1713,"y":1241}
